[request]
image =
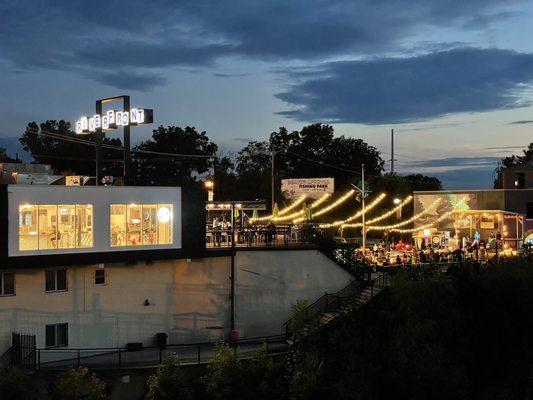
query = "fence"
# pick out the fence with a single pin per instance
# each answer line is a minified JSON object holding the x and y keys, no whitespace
{"x":148,"y":357}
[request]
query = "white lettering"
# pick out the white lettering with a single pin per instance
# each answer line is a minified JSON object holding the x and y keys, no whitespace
{"x":111,"y":117}
{"x":97,"y":121}
{"x":118,"y":118}
{"x":125,"y":118}
{"x":105,"y":122}
{"x":79,"y":129}
{"x":91,"y":124}
{"x":84,"y":124}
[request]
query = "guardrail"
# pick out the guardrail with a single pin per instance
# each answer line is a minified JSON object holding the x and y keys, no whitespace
{"x":150,"y":357}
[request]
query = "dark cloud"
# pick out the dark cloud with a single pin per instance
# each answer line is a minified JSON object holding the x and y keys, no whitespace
{"x":99,"y":37}
{"x":219,"y":75}
{"x":455,"y":162}
{"x":399,"y":90}
{"x":523,"y":122}
{"x":132,"y":81}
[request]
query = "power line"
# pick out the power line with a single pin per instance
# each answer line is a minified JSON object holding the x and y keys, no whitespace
{"x":113,"y":147}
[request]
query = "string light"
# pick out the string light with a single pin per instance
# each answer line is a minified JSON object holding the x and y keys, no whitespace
{"x":382,"y":216}
{"x":294,"y":204}
{"x":430,"y":224}
{"x":330,"y":207}
{"x":367,"y":208}
{"x":426,"y":226}
{"x":407,"y":221}
{"x":296,"y":214}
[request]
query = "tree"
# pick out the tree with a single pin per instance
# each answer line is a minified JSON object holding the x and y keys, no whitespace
{"x":231,"y":379}
{"x":168,"y":383}
{"x":225,"y":179}
{"x":77,"y":384}
{"x":311,"y":152}
{"x":156,"y":169}
{"x":253,"y":171}
{"x":4,"y":157}
{"x":513,"y":161}
{"x":62,"y":151}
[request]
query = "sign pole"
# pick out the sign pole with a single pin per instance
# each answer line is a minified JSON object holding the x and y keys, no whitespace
{"x":99,"y":139}
{"x":127,"y":157}
{"x":363,"y":206}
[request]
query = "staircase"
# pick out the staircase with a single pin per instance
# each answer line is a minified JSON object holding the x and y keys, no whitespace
{"x":344,"y":255}
{"x":329,"y":305}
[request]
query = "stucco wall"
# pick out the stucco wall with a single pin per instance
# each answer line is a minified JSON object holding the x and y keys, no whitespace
{"x":189,"y":300}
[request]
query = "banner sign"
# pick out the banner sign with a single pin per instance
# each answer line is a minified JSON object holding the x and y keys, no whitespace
{"x":112,"y":119}
{"x":311,"y":187}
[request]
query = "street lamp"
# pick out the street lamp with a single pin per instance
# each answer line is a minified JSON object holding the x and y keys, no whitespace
{"x":397,"y":201}
{"x":210,"y":186}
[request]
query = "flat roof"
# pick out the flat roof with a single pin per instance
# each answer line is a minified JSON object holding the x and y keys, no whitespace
{"x":485,"y":212}
{"x":468,"y":190}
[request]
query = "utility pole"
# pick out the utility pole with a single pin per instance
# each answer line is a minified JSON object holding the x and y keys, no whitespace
{"x":272,"y":176}
{"x":363,"y":206}
{"x":392,"y":151}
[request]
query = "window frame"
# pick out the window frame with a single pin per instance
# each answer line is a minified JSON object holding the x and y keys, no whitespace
{"x":2,"y":284}
{"x":55,"y":327}
{"x":55,"y":271}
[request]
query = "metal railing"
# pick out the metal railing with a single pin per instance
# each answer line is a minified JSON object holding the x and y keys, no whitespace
{"x":149,"y":357}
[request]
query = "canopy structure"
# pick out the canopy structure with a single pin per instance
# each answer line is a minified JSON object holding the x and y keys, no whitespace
{"x":509,"y":224}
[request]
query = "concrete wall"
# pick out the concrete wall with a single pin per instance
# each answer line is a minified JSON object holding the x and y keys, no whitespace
{"x":187,"y":300}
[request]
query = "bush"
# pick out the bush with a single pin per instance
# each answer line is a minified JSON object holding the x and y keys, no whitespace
{"x":231,"y":379}
{"x":16,"y":385}
{"x":168,"y":383}
{"x":77,"y":384}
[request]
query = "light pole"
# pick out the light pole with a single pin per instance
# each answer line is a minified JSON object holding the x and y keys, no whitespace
{"x":364,"y":194}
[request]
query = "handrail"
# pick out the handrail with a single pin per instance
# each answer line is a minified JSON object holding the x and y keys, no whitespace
{"x":120,"y":357}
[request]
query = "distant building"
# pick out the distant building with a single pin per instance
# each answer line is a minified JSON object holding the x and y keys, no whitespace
{"x":515,"y":177}
{"x":27,"y":174}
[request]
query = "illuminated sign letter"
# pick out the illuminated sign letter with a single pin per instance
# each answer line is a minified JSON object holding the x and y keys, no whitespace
{"x":105,"y":122}
{"x":136,"y":116}
{"x":125,"y":118}
{"x":97,"y":121}
{"x":79,"y":128}
{"x":118,"y":118}
{"x":91,"y":124}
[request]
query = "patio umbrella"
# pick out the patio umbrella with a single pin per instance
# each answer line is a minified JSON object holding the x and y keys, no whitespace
{"x":275,"y":210}
{"x":255,"y":214}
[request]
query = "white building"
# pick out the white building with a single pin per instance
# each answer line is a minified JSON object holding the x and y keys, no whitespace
{"x":86,"y":267}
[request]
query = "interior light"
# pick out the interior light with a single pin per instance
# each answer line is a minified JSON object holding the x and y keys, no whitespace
{"x":164,"y":215}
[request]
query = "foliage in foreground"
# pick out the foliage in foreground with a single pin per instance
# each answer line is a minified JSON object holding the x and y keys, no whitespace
{"x":16,"y":385}
{"x":463,"y":336}
{"x":230,"y":379}
{"x":77,"y":384}
{"x":168,"y":382}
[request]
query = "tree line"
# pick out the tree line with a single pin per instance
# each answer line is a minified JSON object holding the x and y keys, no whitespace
{"x":313,"y":151}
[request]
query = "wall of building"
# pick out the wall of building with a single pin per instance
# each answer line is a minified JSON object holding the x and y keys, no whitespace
{"x":188,"y":299}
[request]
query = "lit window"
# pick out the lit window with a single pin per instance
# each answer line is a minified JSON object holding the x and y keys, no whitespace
{"x":56,"y":280}
{"x":64,"y":226}
{"x":99,"y":276}
{"x":56,"y":335}
{"x":7,"y":283}
{"x":140,"y":224}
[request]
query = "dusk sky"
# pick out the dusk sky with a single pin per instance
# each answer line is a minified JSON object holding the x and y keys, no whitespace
{"x":453,"y":78}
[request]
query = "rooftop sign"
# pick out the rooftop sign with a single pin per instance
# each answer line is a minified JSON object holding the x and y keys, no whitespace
{"x":113,"y":119}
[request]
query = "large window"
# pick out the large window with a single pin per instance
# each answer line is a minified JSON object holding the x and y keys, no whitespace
{"x":63,"y":226}
{"x":56,"y":335}
{"x":140,"y":224}
{"x":7,"y":283}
